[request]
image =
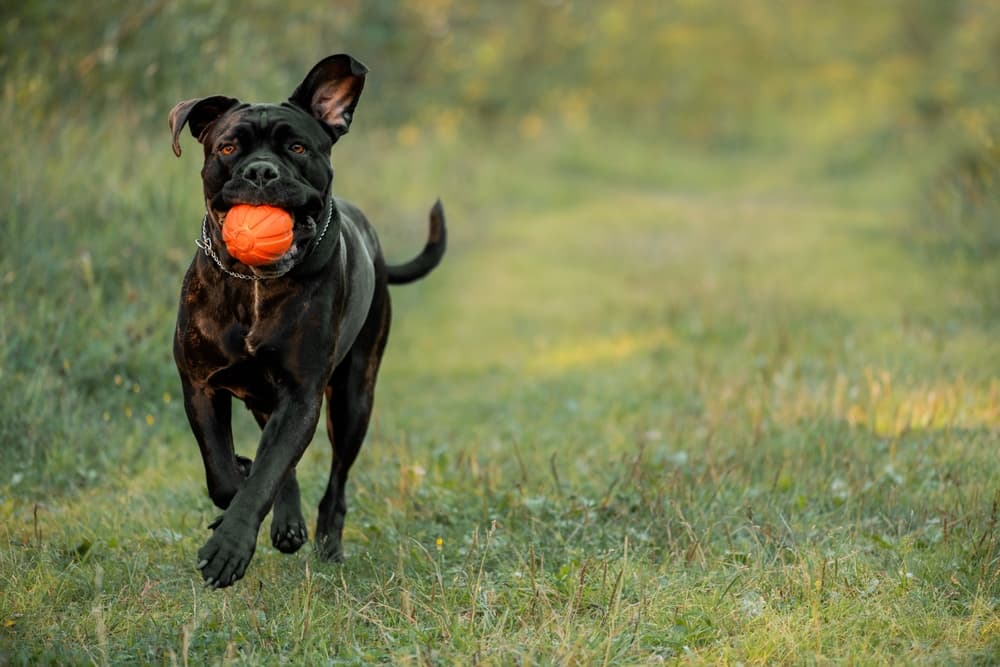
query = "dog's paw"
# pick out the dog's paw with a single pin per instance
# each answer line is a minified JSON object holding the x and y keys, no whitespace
{"x":243,"y":464}
{"x":224,"y":558}
{"x":329,"y":549}
{"x":288,"y":536}
{"x":288,"y":527}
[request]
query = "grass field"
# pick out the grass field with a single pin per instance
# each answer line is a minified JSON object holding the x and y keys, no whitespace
{"x":657,"y":405}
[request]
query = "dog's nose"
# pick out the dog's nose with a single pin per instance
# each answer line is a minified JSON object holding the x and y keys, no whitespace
{"x":260,"y":173}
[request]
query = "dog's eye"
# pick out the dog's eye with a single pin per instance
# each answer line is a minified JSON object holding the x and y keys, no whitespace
{"x":227,"y":149}
{"x":297,"y":148}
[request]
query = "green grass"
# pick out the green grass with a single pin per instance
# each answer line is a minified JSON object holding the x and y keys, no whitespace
{"x":657,"y":405}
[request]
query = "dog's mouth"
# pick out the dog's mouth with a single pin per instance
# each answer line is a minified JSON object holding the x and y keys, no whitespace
{"x":307,"y":223}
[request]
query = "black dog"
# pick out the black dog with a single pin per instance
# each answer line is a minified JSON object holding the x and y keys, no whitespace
{"x":279,"y":337}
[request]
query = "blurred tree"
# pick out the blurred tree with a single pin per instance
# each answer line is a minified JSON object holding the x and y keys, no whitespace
{"x":958,"y":102}
{"x":819,"y":75}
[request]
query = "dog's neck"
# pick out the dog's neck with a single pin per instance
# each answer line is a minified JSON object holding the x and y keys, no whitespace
{"x":317,"y":254}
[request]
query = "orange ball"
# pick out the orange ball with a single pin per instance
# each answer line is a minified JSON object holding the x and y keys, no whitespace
{"x":257,"y":235}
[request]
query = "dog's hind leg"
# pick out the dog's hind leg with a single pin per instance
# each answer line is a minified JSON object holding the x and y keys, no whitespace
{"x":288,"y":526}
{"x":350,"y":397}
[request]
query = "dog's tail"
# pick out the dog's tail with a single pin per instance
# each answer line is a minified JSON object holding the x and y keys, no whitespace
{"x":429,"y":257}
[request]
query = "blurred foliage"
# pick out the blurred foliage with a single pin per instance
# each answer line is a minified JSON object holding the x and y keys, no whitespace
{"x":959,"y":101}
{"x":851,"y":81}
{"x":716,"y":72}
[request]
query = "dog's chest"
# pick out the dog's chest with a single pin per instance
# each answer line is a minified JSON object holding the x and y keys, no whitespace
{"x":274,"y":319}
{"x":258,"y":330}
{"x":253,"y":319}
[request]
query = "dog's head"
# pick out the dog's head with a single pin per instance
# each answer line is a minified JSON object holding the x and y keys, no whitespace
{"x":275,"y":154}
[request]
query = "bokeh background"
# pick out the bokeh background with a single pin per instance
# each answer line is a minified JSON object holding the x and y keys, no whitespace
{"x":489,"y":105}
{"x":720,"y":233}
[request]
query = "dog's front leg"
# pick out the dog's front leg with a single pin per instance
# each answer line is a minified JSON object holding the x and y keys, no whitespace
{"x":225,"y":556}
{"x":209,"y":413}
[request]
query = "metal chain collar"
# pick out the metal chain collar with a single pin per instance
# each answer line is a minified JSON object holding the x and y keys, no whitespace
{"x":205,"y":243}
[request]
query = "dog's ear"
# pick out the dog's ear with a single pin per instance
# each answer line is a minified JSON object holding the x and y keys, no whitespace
{"x":330,"y":92}
{"x":198,"y":114}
